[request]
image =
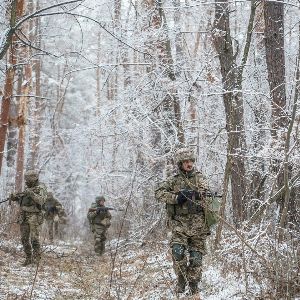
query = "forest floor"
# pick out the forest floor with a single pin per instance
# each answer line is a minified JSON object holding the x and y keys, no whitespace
{"x":128,"y":270}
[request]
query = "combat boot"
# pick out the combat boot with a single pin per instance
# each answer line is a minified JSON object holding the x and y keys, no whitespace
{"x":193,"y":287}
{"x":180,"y":284}
{"x":27,"y":261}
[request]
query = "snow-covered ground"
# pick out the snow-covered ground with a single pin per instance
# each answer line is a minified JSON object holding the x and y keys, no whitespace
{"x":70,"y":270}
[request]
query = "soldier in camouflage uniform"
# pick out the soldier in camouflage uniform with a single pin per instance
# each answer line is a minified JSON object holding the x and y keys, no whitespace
{"x":54,"y":214}
{"x":182,"y":194}
{"x":99,"y":218}
{"x":31,"y":216}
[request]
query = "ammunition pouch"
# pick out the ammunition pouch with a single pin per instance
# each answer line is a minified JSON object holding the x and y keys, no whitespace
{"x":26,"y":200}
{"x":187,"y":209}
{"x":195,"y":208}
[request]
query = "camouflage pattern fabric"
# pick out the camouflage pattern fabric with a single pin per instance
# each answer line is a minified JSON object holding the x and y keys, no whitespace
{"x":31,"y":218}
{"x":54,"y":212}
{"x":52,"y":225}
{"x":99,"y":224}
{"x":189,"y":230}
{"x":30,"y":227}
{"x":100,"y":234}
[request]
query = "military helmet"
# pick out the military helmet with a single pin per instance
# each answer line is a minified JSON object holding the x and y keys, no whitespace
{"x":99,"y":198}
{"x":184,"y":154}
{"x":31,"y":176}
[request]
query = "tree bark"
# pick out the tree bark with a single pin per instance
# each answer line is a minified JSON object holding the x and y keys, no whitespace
{"x":274,"y":43}
{"x":17,"y":7}
{"x":233,"y":102}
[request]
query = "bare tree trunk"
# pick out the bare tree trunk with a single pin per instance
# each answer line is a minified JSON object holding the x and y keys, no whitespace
{"x":289,"y":210}
{"x":260,"y":112}
{"x":37,"y":107}
{"x":233,"y":102}
{"x":17,"y":7}
{"x":22,"y":115}
{"x":274,"y":43}
{"x":170,"y":105}
{"x":98,"y":77}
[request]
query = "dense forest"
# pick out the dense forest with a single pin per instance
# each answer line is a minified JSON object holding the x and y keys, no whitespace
{"x":97,"y":96}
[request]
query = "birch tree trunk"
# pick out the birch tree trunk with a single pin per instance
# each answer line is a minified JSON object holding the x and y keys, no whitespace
{"x":23,"y":103}
{"x":37,"y":105}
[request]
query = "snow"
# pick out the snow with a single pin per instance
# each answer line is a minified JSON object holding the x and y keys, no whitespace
{"x":70,"y":270}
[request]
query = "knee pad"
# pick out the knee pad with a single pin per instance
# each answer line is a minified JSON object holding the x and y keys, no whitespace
{"x":195,"y":259}
{"x":178,"y":251}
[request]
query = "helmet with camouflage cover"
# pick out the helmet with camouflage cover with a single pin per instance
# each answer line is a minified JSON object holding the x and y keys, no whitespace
{"x":100,"y":198}
{"x":183,"y":154}
{"x":31,"y":178}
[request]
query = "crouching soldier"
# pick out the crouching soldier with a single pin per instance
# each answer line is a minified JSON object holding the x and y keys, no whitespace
{"x":99,"y":219}
{"x":182,"y":194}
{"x":31,"y":218}
{"x":54,"y":213}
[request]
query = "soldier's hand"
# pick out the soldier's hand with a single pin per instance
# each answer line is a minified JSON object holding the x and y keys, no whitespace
{"x":100,"y":210}
{"x":12,"y":197}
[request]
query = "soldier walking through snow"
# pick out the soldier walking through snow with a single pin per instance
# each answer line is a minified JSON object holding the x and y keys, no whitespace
{"x":54,"y":214}
{"x":31,"y":218}
{"x":183,"y":195}
{"x":99,"y":218}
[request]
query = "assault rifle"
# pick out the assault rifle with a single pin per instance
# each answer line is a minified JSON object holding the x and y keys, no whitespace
{"x":104,"y":209}
{"x":203,"y":193}
{"x":16,"y":196}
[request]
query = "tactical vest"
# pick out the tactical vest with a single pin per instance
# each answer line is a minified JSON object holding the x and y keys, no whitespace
{"x":26,"y":200}
{"x":99,"y":219}
{"x":189,"y":207}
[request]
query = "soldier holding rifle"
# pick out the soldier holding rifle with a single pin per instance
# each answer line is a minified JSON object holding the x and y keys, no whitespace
{"x":185,"y":196}
{"x":99,"y":218}
{"x":31,"y":202}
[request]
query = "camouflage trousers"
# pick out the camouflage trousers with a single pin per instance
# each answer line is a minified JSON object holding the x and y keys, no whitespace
{"x":189,"y":233}
{"x":52,"y":225}
{"x":99,"y":238}
{"x":30,"y":226}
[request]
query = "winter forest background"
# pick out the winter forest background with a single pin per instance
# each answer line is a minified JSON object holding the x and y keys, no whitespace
{"x":97,"y":95}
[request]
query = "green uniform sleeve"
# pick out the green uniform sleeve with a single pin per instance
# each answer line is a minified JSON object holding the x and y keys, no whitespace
{"x":108,"y":215}
{"x":202,"y":182}
{"x":165,"y":193}
{"x":38,"y":194}
{"x":91,"y":215}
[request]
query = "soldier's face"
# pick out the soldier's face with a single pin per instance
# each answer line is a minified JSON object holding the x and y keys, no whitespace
{"x":31,"y":181}
{"x":187,"y":165}
{"x":101,"y":202}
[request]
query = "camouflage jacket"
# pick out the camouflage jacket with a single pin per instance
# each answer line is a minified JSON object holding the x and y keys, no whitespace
{"x":102,"y":218}
{"x":32,"y":199}
{"x":167,"y":192}
{"x":53,"y":207}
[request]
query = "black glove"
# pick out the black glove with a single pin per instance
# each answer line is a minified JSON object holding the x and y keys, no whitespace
{"x":101,"y":210}
{"x":184,"y":195}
